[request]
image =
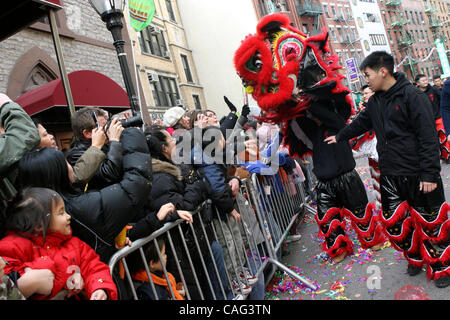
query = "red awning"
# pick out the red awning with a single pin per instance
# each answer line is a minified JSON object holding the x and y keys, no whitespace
{"x":89,"y":88}
{"x":19,"y":14}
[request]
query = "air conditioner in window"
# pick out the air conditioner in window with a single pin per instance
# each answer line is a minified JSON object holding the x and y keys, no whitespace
{"x":155,"y":30}
{"x":179,"y":102}
{"x":153,"y":77}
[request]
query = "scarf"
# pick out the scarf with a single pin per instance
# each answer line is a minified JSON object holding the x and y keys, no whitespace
{"x":142,"y":276}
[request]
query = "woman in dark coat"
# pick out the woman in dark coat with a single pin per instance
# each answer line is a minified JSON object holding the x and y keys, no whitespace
{"x":179,"y":186}
{"x":98,"y":216}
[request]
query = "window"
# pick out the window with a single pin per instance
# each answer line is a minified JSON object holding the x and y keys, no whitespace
{"x":165,"y":91}
{"x":284,"y":6}
{"x":305,"y":28}
{"x":370,"y":17}
{"x":325,"y":9}
{"x":377,"y":39}
{"x":152,"y":41}
{"x":197,"y":103}
{"x":187,"y":69}
{"x":348,"y":13}
{"x":333,"y":11}
{"x":333,"y":34}
{"x":354,"y":34}
{"x":341,"y":37}
{"x":170,"y":10}
{"x":262,"y":8}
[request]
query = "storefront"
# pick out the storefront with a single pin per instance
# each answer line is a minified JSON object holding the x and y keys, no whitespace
{"x":89,"y":88}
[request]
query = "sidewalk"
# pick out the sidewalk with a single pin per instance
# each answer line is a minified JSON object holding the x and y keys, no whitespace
{"x":354,"y":278}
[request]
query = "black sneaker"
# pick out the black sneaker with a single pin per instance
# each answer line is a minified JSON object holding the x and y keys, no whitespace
{"x":413,"y":271}
{"x":442,"y":282}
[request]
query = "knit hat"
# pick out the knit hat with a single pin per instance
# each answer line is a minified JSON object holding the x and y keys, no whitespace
{"x":172,"y":116}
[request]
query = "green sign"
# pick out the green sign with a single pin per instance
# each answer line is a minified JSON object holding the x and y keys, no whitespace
{"x":141,"y":13}
{"x":443,"y":57}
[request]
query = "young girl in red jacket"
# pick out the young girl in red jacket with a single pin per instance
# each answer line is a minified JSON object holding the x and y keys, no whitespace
{"x":51,"y":262}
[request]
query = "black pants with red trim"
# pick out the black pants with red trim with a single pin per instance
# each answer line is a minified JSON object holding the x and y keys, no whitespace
{"x":345,"y":196}
{"x":416,"y":223}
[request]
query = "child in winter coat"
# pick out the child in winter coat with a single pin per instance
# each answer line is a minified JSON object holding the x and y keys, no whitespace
{"x":51,"y":262}
{"x":155,"y":266}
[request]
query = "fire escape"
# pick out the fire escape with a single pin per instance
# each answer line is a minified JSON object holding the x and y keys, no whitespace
{"x":398,"y":24}
{"x":435,"y":24}
{"x":435,"y":27}
{"x":312,"y":9}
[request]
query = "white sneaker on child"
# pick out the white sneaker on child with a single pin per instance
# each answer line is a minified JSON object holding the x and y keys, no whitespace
{"x":245,"y":274}
{"x":241,"y":287}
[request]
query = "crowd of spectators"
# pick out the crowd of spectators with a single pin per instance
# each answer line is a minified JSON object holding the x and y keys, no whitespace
{"x":63,"y":211}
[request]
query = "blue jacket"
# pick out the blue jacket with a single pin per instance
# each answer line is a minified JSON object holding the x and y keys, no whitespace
{"x":216,"y":179}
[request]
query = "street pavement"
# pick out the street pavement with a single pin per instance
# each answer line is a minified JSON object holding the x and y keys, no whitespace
{"x":365,"y":275}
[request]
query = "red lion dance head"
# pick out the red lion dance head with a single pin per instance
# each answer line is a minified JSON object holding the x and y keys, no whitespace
{"x":284,"y":69}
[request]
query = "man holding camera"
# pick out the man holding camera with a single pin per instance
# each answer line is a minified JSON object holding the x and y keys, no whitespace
{"x":88,"y":125}
{"x":18,"y":135}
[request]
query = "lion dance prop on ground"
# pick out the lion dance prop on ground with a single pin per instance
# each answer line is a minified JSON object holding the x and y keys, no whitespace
{"x":284,"y":69}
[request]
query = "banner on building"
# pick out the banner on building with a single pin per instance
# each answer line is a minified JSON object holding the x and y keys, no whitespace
{"x":141,"y":13}
{"x":352,"y":71}
{"x":443,"y":57}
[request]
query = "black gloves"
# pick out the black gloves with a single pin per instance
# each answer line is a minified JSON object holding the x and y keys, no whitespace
{"x":230,"y":105}
{"x":245,"y":110}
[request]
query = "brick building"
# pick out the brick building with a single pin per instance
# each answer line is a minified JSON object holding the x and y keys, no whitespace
{"x":438,"y":13}
{"x":344,"y":37}
{"x":409,"y":35}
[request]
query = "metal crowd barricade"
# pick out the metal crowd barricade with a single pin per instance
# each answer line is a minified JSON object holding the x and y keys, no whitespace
{"x":230,"y":261}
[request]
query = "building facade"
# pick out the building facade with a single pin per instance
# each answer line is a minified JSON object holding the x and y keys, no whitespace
{"x":438,"y":13}
{"x":368,"y":21}
{"x":165,"y":63}
{"x":409,"y":36}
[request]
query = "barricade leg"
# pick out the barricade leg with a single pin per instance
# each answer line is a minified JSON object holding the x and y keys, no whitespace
{"x":272,"y":258}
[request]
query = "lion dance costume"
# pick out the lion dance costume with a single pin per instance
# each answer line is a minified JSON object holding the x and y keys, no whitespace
{"x":289,"y":74}
{"x":366,"y":146}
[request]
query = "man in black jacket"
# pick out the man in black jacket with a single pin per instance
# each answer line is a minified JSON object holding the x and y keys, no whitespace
{"x":415,"y":214}
{"x":435,"y":98}
{"x":110,"y":170}
{"x":431,"y":92}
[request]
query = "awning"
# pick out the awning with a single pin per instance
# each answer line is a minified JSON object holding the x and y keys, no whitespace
{"x":19,"y":14}
{"x":89,"y":88}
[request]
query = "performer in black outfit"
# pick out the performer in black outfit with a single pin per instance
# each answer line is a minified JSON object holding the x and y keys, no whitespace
{"x":340,"y":191}
{"x":415,"y":215}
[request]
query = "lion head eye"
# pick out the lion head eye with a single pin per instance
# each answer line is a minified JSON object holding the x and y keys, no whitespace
{"x":254,"y":64}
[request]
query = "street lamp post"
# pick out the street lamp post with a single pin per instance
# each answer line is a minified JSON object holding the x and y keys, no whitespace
{"x":111,"y":13}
